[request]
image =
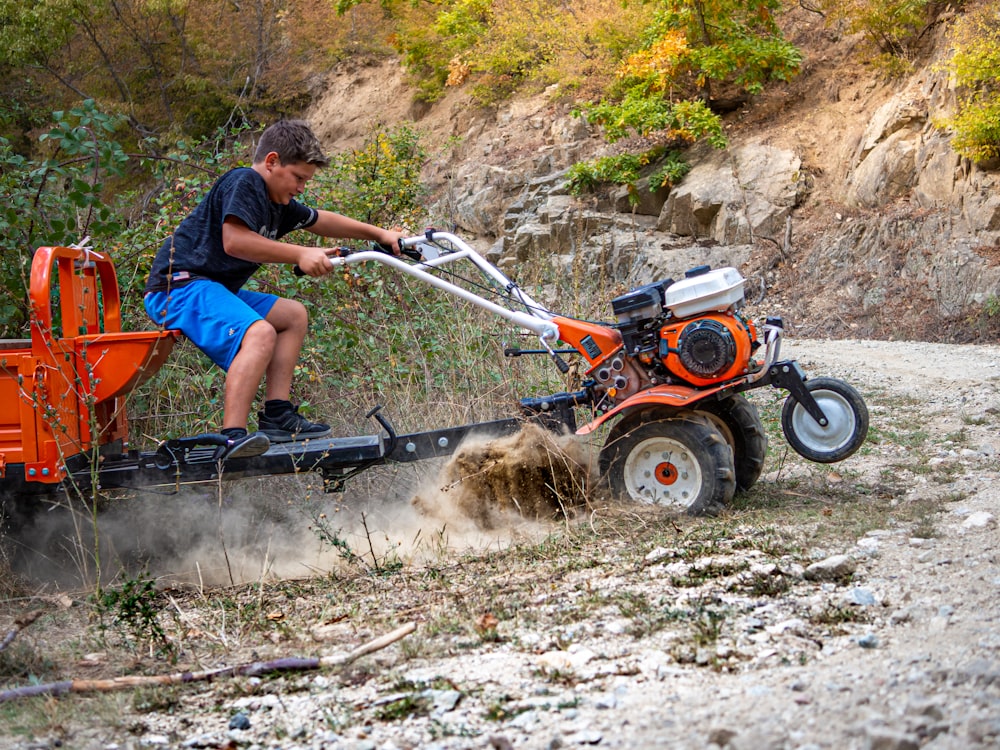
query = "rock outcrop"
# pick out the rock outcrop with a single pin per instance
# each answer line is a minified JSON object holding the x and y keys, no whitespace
{"x":908,"y":226}
{"x":840,"y":198}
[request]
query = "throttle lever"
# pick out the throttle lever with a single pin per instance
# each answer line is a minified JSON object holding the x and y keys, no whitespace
{"x":336,"y":252}
{"x":409,"y":252}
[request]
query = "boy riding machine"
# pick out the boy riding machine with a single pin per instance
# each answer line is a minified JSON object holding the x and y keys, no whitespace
{"x":667,"y":379}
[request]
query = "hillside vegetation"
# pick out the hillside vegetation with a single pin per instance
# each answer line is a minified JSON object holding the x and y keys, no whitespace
{"x":832,"y":606}
{"x":180,"y":70}
{"x":118,"y":115}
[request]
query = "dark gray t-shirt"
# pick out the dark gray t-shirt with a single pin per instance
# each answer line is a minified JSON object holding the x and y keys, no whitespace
{"x":195,"y":249}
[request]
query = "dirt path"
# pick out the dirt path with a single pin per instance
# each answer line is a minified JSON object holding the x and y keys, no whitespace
{"x":636,"y":630}
{"x":930,"y":371}
{"x":926,"y":670}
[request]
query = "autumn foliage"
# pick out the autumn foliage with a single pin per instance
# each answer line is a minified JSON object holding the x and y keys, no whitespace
{"x":975,"y":67}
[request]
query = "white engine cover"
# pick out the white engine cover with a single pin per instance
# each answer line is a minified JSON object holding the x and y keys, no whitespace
{"x":712,"y":291}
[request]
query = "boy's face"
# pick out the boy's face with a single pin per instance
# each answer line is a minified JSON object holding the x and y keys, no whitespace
{"x":285,"y":181}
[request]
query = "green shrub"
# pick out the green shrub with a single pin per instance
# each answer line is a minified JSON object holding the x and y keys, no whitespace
{"x":625,"y":169}
{"x":640,"y":114}
{"x":132,"y":611}
{"x":667,"y":85}
{"x":55,"y":199}
{"x":975,"y":67}
{"x":378,"y":183}
{"x":889,"y":27}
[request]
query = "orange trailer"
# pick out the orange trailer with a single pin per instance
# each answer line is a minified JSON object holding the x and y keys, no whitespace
{"x":62,"y":391}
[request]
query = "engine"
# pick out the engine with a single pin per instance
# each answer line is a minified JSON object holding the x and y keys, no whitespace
{"x":710,"y":349}
{"x":690,"y":330}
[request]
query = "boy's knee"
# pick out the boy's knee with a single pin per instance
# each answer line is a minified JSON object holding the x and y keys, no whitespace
{"x":260,"y":335}
{"x":288,"y":314}
{"x":300,"y":312}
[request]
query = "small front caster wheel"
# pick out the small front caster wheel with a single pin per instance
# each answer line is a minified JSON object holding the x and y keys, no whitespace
{"x":846,"y":428}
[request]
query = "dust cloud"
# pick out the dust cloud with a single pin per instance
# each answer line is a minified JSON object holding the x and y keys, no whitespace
{"x":533,"y":475}
{"x":487,"y":494}
{"x":206,"y":536}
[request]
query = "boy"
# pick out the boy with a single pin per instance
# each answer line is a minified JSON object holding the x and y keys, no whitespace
{"x":197,"y":274}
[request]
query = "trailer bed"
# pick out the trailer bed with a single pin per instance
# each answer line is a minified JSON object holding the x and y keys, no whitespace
{"x":195,"y":460}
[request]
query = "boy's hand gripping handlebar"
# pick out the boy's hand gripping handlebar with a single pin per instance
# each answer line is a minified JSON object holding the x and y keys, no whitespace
{"x":343,"y":252}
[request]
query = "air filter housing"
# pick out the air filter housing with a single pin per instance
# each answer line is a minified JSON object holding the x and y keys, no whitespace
{"x":705,"y":291}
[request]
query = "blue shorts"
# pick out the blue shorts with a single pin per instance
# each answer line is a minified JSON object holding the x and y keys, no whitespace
{"x":210,"y":315}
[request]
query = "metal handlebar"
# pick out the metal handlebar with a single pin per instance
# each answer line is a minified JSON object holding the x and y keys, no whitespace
{"x":536,"y":319}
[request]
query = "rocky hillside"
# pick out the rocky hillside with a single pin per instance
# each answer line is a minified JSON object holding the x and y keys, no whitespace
{"x":838,"y":198}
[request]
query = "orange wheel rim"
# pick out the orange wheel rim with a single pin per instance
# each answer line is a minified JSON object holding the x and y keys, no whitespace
{"x":666,"y":473}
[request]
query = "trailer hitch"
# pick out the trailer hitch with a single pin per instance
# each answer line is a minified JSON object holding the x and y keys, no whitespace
{"x":334,"y":479}
{"x":556,"y":410}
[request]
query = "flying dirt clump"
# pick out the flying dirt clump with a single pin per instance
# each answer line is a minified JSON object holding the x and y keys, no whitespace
{"x":534,"y":473}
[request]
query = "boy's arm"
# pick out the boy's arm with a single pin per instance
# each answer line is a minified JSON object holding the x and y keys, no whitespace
{"x":241,"y":242}
{"x":330,"y":224}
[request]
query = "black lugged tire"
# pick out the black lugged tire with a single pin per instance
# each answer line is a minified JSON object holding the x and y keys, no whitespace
{"x":741,"y":425}
{"x":847,"y":418}
{"x":684,"y":462}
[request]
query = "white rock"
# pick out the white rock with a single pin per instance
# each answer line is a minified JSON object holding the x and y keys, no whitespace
{"x":978,"y":520}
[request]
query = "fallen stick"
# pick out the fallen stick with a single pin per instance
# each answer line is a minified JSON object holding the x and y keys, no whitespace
{"x":254,"y":669}
{"x":20,"y":624}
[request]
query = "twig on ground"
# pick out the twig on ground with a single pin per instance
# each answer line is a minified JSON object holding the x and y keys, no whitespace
{"x":254,"y":669}
{"x":371,"y":547}
{"x":20,"y":624}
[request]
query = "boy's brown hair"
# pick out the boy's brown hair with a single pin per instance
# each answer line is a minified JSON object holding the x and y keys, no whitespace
{"x":293,"y":141}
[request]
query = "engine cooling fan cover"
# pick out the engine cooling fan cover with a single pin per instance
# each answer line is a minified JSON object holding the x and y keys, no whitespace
{"x":707,"y":348}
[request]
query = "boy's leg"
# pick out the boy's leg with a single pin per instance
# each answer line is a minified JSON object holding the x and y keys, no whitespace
{"x":246,"y":371}
{"x":280,"y":420}
{"x":234,"y":334}
{"x":290,"y":322}
{"x":270,"y":346}
{"x":230,"y":328}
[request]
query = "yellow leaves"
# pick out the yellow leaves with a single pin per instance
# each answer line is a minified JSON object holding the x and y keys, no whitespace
{"x":458,"y":71}
{"x":974,"y":67}
{"x":680,"y":134}
{"x":976,"y":38}
{"x":660,"y":61}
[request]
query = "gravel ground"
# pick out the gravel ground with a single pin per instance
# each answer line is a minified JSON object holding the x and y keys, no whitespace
{"x":914,"y":661}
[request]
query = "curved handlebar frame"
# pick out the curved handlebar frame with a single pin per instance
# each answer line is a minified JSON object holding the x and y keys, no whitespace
{"x":535,"y":319}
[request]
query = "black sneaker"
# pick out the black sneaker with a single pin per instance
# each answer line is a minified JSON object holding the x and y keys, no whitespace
{"x":240,"y":444}
{"x":290,"y":425}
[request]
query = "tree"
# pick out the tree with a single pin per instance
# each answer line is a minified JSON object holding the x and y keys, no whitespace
{"x":54,"y":200}
{"x":169,"y":66}
{"x":975,"y":67}
{"x":30,"y":32}
{"x":667,"y":90}
{"x":722,"y":42}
